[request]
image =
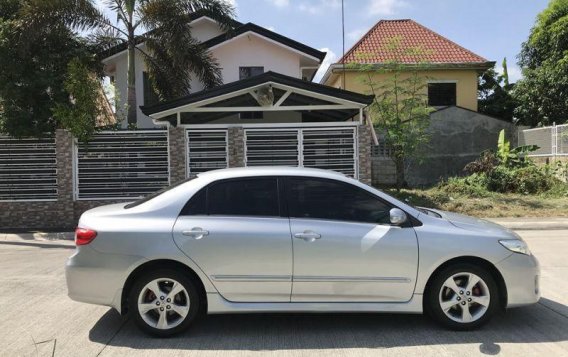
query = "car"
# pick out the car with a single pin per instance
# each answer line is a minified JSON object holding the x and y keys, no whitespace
{"x":282,"y":239}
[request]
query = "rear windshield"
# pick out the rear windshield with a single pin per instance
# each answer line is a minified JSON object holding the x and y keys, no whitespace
{"x":155,"y":194}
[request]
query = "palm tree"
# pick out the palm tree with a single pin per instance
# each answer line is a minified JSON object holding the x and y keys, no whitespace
{"x":171,"y":54}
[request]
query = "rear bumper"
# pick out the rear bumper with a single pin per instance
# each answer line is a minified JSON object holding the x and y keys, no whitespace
{"x":522,"y":279}
{"x":98,"y":278}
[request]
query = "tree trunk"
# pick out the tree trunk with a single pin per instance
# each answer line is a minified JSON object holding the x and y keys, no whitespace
{"x":399,"y":166}
{"x":132,"y":105}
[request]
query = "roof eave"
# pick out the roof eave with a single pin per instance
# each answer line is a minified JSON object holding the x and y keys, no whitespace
{"x":363,"y":100}
{"x":428,"y":65}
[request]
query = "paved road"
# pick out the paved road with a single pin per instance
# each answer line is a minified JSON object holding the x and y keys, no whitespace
{"x":37,"y":319}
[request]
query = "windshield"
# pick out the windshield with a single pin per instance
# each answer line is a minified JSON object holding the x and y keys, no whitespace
{"x":428,"y":212}
{"x":156,"y":194}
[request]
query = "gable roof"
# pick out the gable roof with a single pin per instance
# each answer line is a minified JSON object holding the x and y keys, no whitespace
{"x":200,"y":14}
{"x":371,"y":48}
{"x":267,"y":77}
{"x":250,"y":27}
{"x":239,"y":29}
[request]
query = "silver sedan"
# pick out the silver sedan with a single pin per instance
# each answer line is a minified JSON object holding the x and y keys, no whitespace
{"x":293,"y":240}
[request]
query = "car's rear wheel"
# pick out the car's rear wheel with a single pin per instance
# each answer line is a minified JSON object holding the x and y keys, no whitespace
{"x":462,"y":297}
{"x":164,"y":302}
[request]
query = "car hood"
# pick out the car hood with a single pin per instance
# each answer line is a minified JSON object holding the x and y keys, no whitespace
{"x":475,"y":224}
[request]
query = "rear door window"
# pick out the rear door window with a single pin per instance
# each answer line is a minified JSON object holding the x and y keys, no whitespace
{"x":240,"y":197}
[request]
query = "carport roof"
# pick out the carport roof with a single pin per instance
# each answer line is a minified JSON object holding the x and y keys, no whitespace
{"x":324,"y":97}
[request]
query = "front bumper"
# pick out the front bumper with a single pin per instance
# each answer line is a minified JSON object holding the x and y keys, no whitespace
{"x":98,"y":278}
{"x":522,"y":279}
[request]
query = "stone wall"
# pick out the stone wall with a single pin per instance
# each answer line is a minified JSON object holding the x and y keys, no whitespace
{"x":364,"y":147}
{"x":178,"y":154}
{"x":236,"y":138}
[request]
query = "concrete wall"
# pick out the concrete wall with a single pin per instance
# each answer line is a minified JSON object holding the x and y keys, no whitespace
{"x":465,"y":79}
{"x":457,"y":137}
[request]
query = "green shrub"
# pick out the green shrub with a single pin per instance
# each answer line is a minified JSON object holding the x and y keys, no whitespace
{"x":526,"y":180}
{"x":474,"y":185}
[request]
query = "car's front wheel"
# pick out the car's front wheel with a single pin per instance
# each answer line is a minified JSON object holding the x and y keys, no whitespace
{"x":462,"y":297}
{"x":164,"y":302}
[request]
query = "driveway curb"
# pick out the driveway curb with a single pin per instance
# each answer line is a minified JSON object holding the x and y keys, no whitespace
{"x":529,"y":224}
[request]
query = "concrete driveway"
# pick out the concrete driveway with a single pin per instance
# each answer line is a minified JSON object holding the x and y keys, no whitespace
{"x":37,"y":319}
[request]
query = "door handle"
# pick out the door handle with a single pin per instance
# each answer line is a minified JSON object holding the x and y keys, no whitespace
{"x":196,"y":233}
{"x":308,"y":236}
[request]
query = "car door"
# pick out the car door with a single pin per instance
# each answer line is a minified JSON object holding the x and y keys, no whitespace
{"x":345,"y":249}
{"x":234,"y":232}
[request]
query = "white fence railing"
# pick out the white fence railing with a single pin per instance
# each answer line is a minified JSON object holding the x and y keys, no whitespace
{"x":28,"y":169}
{"x":206,"y":150}
{"x":122,"y":165}
{"x":551,"y":140}
{"x":330,"y":148}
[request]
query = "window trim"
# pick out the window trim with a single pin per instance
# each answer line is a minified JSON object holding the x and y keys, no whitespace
{"x":282,"y":209}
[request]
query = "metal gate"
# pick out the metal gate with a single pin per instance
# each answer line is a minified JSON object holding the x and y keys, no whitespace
{"x":330,"y":148}
{"x":206,"y":150}
{"x":122,"y":164}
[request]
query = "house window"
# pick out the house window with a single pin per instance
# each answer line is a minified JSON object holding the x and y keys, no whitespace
{"x":247,"y":72}
{"x":150,"y":95}
{"x":441,"y":94}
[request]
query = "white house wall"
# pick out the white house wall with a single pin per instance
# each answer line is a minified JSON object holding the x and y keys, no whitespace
{"x":251,"y":50}
{"x":247,"y":50}
{"x":205,"y":29}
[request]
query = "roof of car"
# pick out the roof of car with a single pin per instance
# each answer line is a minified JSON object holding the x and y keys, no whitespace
{"x":270,"y":171}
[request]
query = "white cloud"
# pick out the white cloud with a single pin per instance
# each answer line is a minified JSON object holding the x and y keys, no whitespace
{"x":319,"y":7}
{"x":233,"y":3}
{"x":356,"y":34}
{"x":280,"y":3}
{"x":515,"y":72}
{"x":329,"y":59}
{"x":385,"y":7}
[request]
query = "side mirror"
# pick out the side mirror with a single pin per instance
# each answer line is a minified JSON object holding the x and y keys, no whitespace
{"x":397,"y":216}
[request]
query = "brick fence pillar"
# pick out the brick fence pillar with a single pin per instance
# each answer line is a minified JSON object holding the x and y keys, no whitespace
{"x":64,"y":149}
{"x":178,"y":154}
{"x":236,"y":147}
{"x":364,"y":145}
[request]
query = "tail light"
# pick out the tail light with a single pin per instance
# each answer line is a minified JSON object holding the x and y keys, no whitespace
{"x":84,"y":236}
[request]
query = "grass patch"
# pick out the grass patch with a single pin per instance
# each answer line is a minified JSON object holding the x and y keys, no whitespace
{"x":482,"y":203}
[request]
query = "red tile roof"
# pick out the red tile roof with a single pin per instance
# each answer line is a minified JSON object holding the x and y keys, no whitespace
{"x":371,"y":48}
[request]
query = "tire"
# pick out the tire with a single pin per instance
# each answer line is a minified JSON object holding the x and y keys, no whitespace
{"x":462,"y":307}
{"x":162,"y":312}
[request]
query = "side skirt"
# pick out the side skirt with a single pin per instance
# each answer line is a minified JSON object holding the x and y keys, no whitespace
{"x":216,"y":304}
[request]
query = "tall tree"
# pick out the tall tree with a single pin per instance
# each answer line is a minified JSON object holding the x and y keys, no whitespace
{"x":542,"y":95}
{"x":400,"y":110}
{"x":172,"y":55}
{"x":33,"y":66}
{"x":494,"y":93}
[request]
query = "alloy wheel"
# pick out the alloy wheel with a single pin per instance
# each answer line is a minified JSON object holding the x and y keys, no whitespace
{"x":464,"y":297}
{"x":163,"y":303}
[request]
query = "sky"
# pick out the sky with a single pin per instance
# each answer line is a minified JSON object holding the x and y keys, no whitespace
{"x":493,"y":29}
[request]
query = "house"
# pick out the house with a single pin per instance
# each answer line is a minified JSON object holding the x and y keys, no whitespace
{"x":458,"y":133}
{"x":245,"y":51}
{"x":452,"y":70}
{"x":267,"y":111}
